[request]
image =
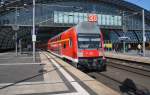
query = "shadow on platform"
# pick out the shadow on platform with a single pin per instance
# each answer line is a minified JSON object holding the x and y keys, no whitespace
{"x":41,"y":72}
{"x":129,"y":87}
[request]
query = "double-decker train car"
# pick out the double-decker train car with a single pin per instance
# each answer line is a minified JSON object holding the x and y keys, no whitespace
{"x":81,"y":44}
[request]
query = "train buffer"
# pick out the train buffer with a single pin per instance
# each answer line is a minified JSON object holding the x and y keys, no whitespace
{"x":48,"y":75}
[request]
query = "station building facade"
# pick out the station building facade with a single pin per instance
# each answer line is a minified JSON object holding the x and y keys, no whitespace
{"x":116,"y":18}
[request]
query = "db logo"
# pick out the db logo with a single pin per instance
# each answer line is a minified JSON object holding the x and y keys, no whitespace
{"x":92,"y":18}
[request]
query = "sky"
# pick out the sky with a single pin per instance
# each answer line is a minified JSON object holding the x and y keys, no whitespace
{"x":143,"y":3}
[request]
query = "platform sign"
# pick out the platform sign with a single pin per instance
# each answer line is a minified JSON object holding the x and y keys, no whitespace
{"x":33,"y":38}
{"x":92,"y":18}
{"x":144,"y":39}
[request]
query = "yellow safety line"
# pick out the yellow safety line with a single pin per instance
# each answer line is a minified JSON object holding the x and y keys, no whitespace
{"x":59,"y":41}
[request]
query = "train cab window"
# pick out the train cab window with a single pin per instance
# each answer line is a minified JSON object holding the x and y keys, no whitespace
{"x":64,"y":45}
{"x":70,"y":42}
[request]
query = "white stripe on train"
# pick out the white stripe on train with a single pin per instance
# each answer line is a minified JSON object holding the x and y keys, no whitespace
{"x":67,"y":57}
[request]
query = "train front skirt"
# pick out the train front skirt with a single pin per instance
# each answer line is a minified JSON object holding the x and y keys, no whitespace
{"x":97,"y":64}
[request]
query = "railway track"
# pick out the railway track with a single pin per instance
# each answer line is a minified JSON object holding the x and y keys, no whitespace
{"x":130,"y":63}
{"x":126,"y":87}
{"x":140,"y":71}
{"x":125,"y":78}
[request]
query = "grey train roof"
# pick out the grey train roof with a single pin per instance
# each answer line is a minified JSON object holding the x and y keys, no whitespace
{"x":87,"y":27}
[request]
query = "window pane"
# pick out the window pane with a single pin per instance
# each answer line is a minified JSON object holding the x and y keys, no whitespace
{"x":95,"y":39}
{"x":76,"y":17}
{"x":55,"y":17}
{"x":83,"y":39}
{"x":111,"y":20}
{"x":60,"y":16}
{"x":71,"y":15}
{"x":99,"y":19}
{"x":85,"y":17}
{"x":81,"y":17}
{"x":119,"y":20}
{"x":65,"y":17}
{"x":103,"y":20}
{"x":115,"y":20}
{"x":107,"y":19}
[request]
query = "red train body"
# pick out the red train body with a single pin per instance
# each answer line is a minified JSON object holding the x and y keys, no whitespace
{"x":81,"y":44}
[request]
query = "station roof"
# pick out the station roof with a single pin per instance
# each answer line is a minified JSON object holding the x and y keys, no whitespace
{"x":4,"y":4}
{"x":121,"y":3}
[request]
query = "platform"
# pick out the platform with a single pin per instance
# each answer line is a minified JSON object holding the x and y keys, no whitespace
{"x":49,"y":75}
{"x":127,"y":57}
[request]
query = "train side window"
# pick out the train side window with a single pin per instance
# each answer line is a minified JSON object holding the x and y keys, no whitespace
{"x":70,"y":42}
{"x":64,"y":45}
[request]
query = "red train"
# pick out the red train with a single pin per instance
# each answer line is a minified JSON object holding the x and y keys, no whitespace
{"x":81,"y":44}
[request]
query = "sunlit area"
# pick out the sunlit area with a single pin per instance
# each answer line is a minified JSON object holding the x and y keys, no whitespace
{"x":74,"y":47}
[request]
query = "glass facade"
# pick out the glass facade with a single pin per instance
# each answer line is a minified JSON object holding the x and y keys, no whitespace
{"x":114,"y":37}
{"x":76,"y":17}
{"x":134,"y":36}
{"x":71,"y":12}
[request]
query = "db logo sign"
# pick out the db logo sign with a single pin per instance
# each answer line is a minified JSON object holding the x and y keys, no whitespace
{"x":92,"y":18}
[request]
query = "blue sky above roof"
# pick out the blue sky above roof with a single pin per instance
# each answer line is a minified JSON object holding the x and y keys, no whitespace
{"x":143,"y":3}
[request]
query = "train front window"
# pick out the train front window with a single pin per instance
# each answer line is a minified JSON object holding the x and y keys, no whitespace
{"x":89,"y":41}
